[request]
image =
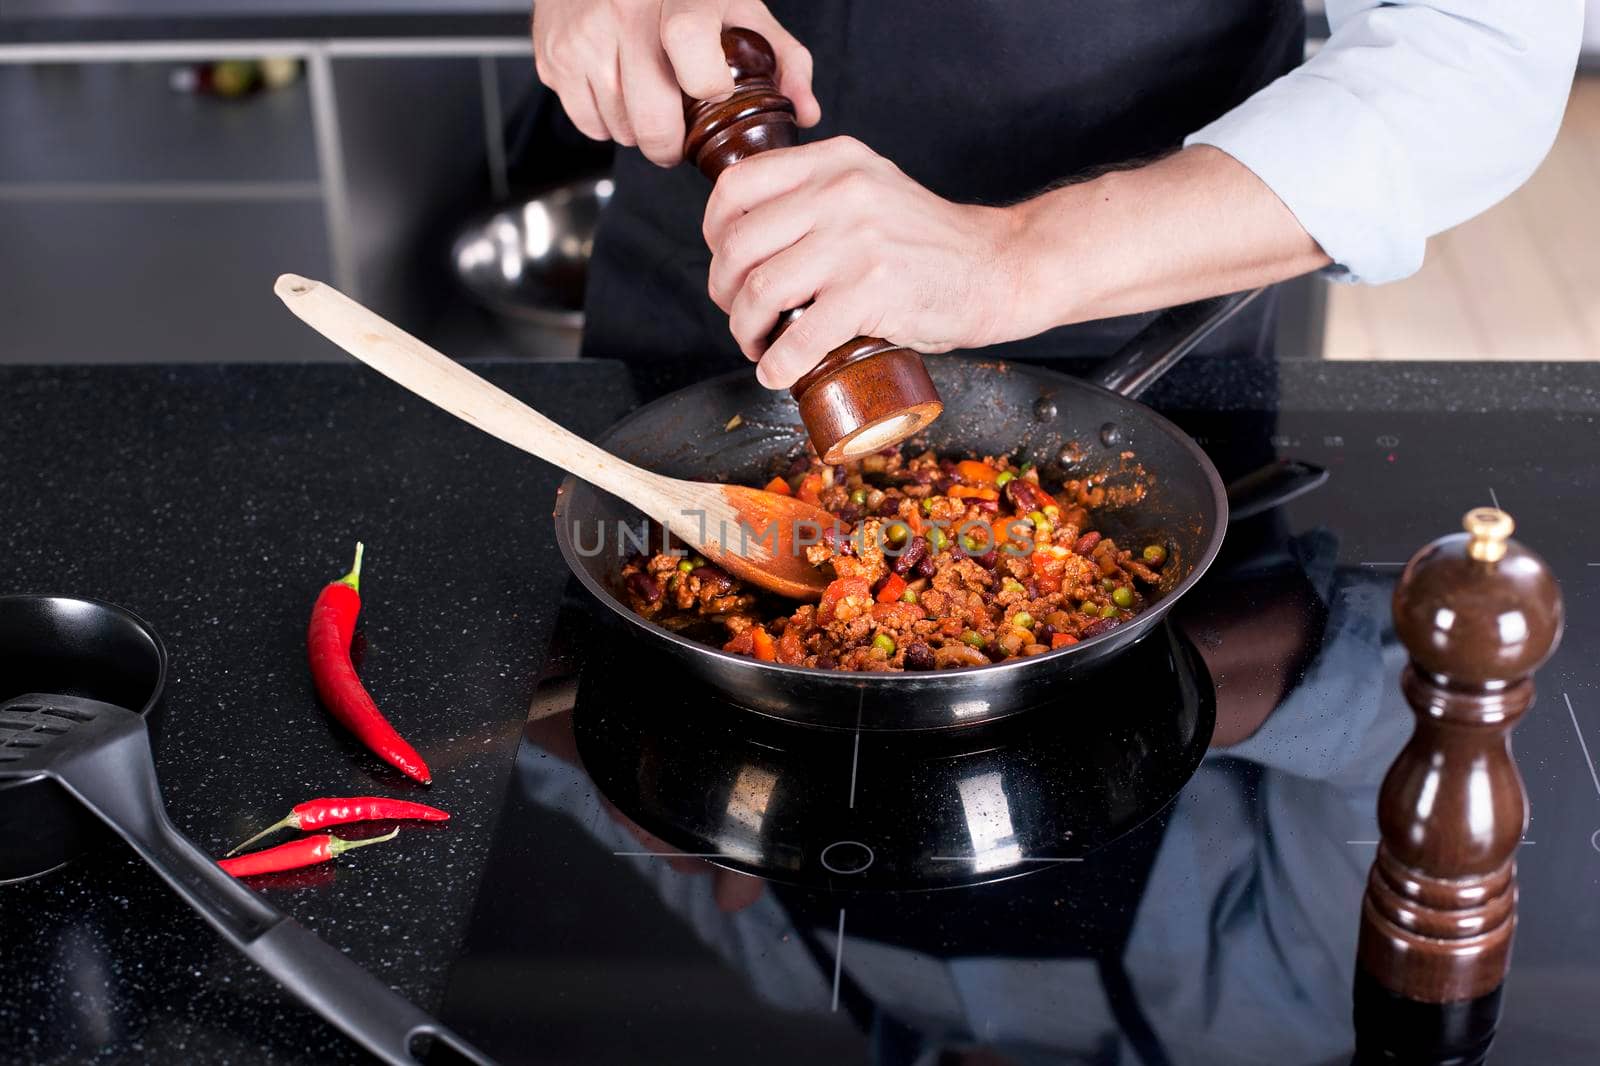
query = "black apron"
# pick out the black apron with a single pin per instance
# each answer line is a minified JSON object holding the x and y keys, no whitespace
{"x":987,"y":101}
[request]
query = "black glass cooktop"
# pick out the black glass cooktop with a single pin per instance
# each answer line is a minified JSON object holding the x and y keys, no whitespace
{"x":1196,"y":830}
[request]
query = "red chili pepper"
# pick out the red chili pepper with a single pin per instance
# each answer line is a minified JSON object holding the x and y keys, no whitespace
{"x":307,"y":851}
{"x":317,"y":813}
{"x":333,"y":623}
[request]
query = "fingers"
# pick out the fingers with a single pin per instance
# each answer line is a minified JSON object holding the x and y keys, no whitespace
{"x":834,"y":319}
{"x":753,"y":238}
{"x":651,"y":97}
{"x":794,"y":59}
{"x":579,"y":104}
{"x":605,"y":81}
{"x":787,"y":280}
{"x":691,"y":33}
{"x":754,"y":181}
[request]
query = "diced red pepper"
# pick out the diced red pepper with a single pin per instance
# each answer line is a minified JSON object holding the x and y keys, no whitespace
{"x":1061,"y":640}
{"x":791,"y":648}
{"x":893,"y":586}
{"x":780,"y":486}
{"x":765,"y":648}
{"x":810,"y":489}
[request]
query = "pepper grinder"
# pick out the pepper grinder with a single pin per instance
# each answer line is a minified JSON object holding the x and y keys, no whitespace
{"x":866,"y":394}
{"x":1478,"y":613}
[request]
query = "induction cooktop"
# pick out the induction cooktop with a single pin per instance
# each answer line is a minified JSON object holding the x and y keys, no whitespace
{"x":673,"y":880}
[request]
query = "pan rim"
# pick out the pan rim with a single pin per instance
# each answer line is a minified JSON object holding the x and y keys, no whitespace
{"x":158,"y":689}
{"x":1063,"y":657}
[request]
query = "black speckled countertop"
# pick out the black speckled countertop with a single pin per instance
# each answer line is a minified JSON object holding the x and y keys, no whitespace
{"x":215,"y":502}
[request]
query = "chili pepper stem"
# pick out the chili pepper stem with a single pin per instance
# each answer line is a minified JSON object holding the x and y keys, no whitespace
{"x":339,"y":845}
{"x":353,"y":578}
{"x":291,"y":822}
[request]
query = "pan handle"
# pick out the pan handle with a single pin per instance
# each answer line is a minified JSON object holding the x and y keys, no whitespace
{"x":1168,"y":337}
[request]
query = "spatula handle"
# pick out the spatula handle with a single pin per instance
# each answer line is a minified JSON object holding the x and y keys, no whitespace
{"x":446,"y":384}
{"x":116,"y":780}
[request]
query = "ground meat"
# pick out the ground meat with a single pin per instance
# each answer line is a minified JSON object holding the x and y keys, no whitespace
{"x":935,"y":564}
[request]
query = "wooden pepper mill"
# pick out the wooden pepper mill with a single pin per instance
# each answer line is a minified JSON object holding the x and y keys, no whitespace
{"x":866,"y":394}
{"x":1479,"y":613}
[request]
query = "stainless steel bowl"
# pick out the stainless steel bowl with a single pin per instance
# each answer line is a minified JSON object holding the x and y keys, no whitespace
{"x":527,"y":263}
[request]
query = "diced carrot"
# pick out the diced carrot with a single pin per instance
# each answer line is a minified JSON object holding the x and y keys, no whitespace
{"x":810,"y":489}
{"x":892,"y":588}
{"x":765,"y":649}
{"x":780,"y":486}
{"x":914,"y":520}
{"x":977,"y":473}
{"x":973,"y":492}
{"x":1061,"y":640}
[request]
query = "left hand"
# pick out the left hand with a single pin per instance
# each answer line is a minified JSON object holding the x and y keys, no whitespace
{"x":838,"y":226}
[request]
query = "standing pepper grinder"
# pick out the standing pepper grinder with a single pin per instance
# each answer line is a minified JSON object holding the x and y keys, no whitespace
{"x":1479,"y":613}
{"x":866,"y":394}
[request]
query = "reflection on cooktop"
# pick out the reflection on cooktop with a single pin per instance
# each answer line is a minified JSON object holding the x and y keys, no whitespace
{"x":613,"y":926}
{"x":934,"y":809}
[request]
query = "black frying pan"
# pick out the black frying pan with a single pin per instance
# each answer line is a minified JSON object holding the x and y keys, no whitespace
{"x":1062,"y":423}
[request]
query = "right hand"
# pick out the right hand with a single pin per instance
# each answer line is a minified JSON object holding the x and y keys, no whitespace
{"x":619,"y":66}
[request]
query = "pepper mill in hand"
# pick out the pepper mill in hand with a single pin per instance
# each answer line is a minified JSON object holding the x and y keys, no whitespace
{"x":1478,"y":613}
{"x":866,"y":394}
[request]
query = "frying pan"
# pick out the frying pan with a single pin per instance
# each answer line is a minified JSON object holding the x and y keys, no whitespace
{"x":1068,"y":426}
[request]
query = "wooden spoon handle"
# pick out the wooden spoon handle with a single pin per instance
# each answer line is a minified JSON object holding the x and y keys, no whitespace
{"x":442,"y":381}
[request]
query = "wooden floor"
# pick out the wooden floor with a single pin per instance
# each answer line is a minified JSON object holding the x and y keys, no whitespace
{"x":1521,"y":281}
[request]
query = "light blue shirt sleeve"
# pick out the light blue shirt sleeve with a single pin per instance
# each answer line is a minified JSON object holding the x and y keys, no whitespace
{"x":1413,"y":117}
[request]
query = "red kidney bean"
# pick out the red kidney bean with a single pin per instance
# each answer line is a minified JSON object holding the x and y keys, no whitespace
{"x":849,"y":513}
{"x":1086,"y":543}
{"x":711,"y":575}
{"x":919,"y":656}
{"x":644,"y":586}
{"x":926,"y":567}
{"x":914,"y":554}
{"x":1098,"y":626}
{"x":840,"y":541}
{"x":888,"y":507}
{"x":986,"y":560}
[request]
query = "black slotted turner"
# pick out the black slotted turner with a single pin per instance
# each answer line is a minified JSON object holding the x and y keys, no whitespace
{"x":100,"y":753}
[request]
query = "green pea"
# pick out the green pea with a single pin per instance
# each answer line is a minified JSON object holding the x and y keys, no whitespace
{"x":1052,"y":512}
{"x":858,"y":497}
{"x":1108,"y":583}
{"x":897,"y":533}
{"x":973,"y":638}
{"x":1154,"y":554}
{"x":971,"y":545}
{"x":685,"y":566}
{"x":1122,"y":596}
{"x":1108,"y":611}
{"x":1088,"y":608}
{"x":937,"y":539}
{"x":1027,"y":466}
{"x":1013,"y":584}
{"x":884,"y":643}
{"x":1022,"y":620}
{"x":1005,"y":478}
{"x":927,"y":505}
{"x":908,"y":596}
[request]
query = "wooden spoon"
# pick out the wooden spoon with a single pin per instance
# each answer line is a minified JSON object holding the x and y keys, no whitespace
{"x":757,"y":536}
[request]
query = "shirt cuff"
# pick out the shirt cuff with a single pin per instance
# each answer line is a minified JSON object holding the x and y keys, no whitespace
{"x":1336,"y":167}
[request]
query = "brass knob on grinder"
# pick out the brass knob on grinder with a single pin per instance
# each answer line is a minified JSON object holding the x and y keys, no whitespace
{"x":866,"y":394}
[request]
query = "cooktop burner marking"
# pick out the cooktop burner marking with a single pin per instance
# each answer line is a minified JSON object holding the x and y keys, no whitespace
{"x":1494,"y":499}
{"x":838,"y":959}
{"x":862,"y":861}
{"x":1594,"y":840}
{"x":1581,"y":742}
{"x":855,"y":753}
{"x":1020,"y":858}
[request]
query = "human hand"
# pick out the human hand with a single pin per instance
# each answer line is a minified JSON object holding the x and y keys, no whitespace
{"x":838,"y":226}
{"x":620,"y":67}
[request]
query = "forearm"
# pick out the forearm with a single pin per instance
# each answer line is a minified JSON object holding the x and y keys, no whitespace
{"x":1194,"y":224}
